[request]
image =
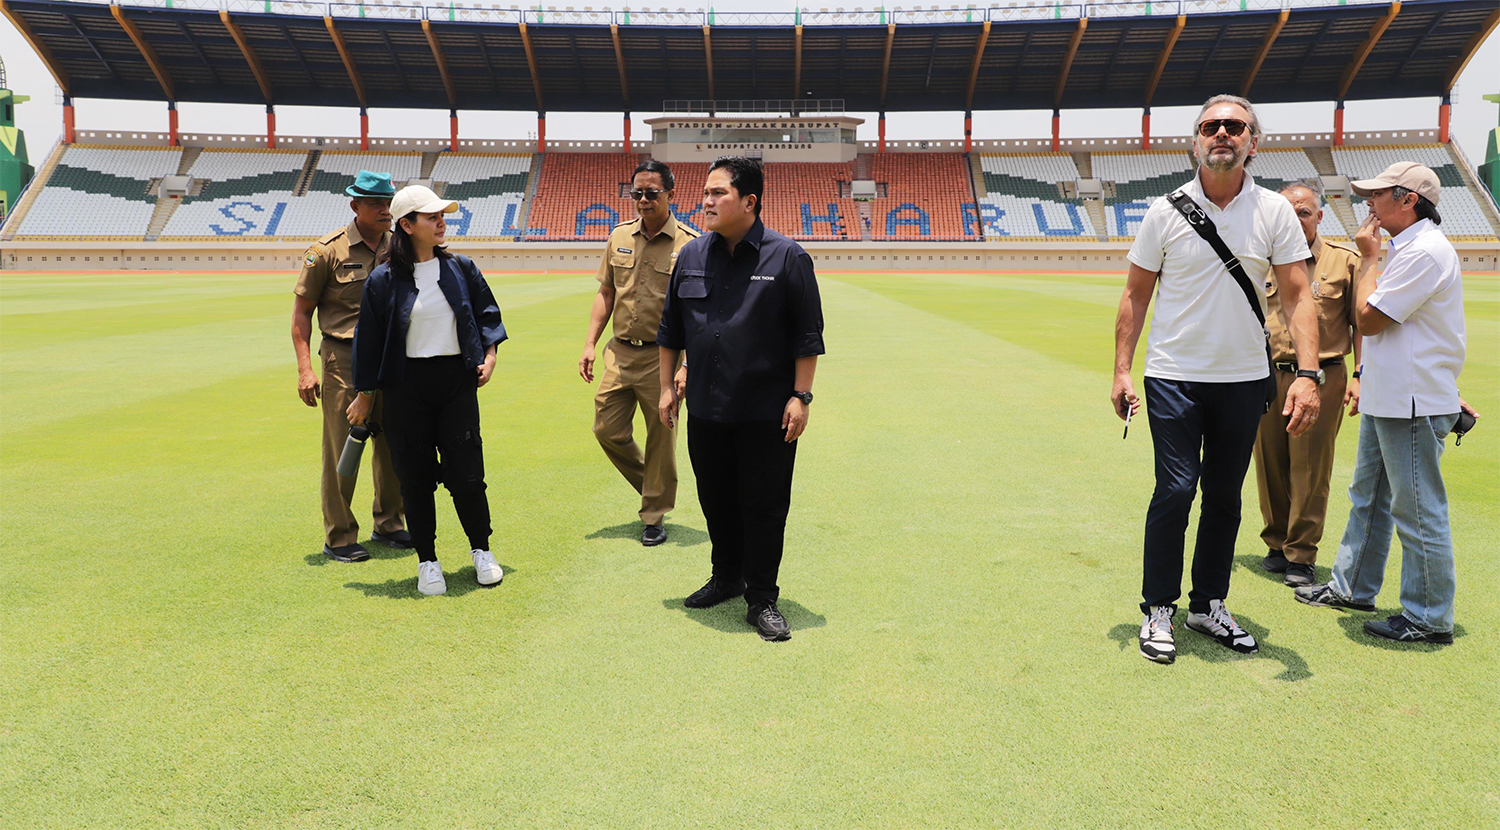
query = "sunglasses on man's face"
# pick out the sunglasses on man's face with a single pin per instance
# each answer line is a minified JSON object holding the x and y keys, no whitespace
{"x":638,"y":195}
{"x":1233,"y":126}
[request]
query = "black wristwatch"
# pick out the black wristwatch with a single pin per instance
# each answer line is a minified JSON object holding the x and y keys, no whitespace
{"x":804,"y":397}
{"x":1357,"y":373}
{"x":1312,"y":374}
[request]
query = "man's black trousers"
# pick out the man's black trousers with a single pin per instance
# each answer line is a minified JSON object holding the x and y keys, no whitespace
{"x":744,"y":473}
{"x":1202,"y":432}
{"x":436,"y":410}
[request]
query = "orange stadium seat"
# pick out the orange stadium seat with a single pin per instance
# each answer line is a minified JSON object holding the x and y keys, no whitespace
{"x":578,"y":195}
{"x":925,"y":195}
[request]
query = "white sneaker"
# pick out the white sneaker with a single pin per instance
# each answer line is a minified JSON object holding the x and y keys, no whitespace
{"x":1157,"y":642}
{"x":1219,"y":625}
{"x":486,"y":569}
{"x":430,"y":579}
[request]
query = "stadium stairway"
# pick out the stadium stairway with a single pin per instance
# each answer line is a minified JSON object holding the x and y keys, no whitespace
{"x":165,"y":207}
{"x":1085,"y":163}
{"x":34,"y":188}
{"x":1345,"y":213}
{"x":429,"y":161}
{"x":309,"y":167}
{"x":1322,"y":159}
{"x":189,"y":155}
{"x":1482,"y":196}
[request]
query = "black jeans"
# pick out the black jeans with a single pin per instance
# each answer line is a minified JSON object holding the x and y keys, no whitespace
{"x":436,"y":410}
{"x":1201,"y":432}
{"x":744,"y":473}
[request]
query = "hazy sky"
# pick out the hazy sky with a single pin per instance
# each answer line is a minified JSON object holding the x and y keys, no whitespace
{"x":41,"y":118}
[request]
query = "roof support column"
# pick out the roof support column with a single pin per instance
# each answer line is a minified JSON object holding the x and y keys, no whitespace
{"x":364,"y":129}
{"x":968,"y":131}
{"x":628,"y":147}
{"x":270,"y":127}
{"x":1056,"y":130}
{"x":453,"y":130}
{"x":541,"y":131}
{"x":880,"y":148}
{"x":67,"y":119}
{"x":1338,"y":124}
{"x":797,"y":71}
{"x":1445,"y":113}
{"x":1146,"y":128}
{"x":172,"y":137}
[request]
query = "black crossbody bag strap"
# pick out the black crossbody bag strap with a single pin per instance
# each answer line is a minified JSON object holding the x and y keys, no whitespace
{"x":1204,"y":226}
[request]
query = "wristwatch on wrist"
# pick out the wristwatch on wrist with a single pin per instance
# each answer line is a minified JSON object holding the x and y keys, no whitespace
{"x":1312,"y":374}
{"x":804,"y":397}
{"x":1356,"y":374}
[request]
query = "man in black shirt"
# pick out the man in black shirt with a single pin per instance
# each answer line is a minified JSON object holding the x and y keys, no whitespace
{"x":743,"y":302}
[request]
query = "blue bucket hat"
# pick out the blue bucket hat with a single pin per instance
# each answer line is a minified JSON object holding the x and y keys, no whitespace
{"x":372,"y":186}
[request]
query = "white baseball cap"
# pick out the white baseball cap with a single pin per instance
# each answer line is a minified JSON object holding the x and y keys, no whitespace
{"x":418,"y":199}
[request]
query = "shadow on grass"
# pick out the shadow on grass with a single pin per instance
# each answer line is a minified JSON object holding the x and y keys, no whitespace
{"x":678,"y":535}
{"x":376,"y":550}
{"x":730,"y":616}
{"x":1191,"y":643}
{"x":460,"y":582}
{"x":1251,"y":563}
{"x":1354,"y":629}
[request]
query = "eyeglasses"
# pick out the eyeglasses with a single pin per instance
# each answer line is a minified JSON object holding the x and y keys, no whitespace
{"x":638,"y":195}
{"x":1233,"y":126}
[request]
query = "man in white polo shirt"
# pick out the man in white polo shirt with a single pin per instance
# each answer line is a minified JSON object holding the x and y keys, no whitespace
{"x":1207,"y":369}
{"x":1412,"y":319}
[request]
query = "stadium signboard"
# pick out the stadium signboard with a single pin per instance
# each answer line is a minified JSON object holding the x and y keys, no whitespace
{"x":824,"y":138}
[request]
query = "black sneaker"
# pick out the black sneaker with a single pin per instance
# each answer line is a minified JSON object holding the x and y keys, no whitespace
{"x":1219,"y":625}
{"x":1402,"y":630}
{"x":1297,"y":575}
{"x":653,"y":535}
{"x":398,"y":539}
{"x":1323,"y":596}
{"x":347,"y":553}
{"x":1275,"y":562}
{"x":713,"y":592}
{"x":1157,"y":642}
{"x":768,"y":622}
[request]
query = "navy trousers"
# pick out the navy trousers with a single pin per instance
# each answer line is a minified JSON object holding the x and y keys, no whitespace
{"x":1202,"y":433}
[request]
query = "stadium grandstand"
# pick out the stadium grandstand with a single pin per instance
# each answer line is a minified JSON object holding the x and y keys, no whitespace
{"x":772,"y":85}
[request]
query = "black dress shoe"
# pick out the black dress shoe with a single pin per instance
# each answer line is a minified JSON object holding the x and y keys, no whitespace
{"x":1275,"y":562}
{"x":347,"y":553}
{"x":768,"y":622}
{"x":1298,"y":575}
{"x":653,"y":535}
{"x":398,"y":539}
{"x":713,"y":592}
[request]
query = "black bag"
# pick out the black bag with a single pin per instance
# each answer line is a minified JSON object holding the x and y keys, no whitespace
{"x":1199,"y":221}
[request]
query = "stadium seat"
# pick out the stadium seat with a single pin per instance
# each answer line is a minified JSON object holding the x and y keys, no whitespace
{"x":1140,"y":177}
{"x":1022,"y":200}
{"x":100,"y":191}
{"x":1463,"y":218}
{"x":1276,"y":168}
{"x":579,"y":195}
{"x":245,"y":193}
{"x":490,"y":191}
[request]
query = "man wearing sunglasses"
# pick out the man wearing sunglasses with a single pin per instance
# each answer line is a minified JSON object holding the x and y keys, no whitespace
{"x":633,"y":277}
{"x":1206,"y":366}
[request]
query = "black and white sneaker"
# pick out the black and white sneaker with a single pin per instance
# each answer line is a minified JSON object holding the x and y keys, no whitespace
{"x":1219,"y":625}
{"x":1323,"y":596}
{"x":1157,"y":642}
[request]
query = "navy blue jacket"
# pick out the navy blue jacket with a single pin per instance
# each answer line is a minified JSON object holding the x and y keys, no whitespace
{"x":385,"y":313}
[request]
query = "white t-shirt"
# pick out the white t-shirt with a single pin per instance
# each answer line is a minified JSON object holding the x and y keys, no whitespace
{"x":1411,"y":368}
{"x":1202,"y":328}
{"x":433,"y":330}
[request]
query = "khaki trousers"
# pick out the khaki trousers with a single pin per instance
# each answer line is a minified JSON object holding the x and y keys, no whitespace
{"x":339,"y":525}
{"x":631,"y":379}
{"x":1292,"y":474}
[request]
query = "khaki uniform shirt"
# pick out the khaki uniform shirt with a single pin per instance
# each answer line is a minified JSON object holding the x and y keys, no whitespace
{"x":333,"y":273}
{"x":640,"y":270}
{"x":1330,"y":276}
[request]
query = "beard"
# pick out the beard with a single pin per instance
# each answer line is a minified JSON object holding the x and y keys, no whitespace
{"x":1221,"y":164}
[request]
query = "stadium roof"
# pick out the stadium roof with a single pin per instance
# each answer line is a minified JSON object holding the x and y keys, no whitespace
{"x":474,"y":57}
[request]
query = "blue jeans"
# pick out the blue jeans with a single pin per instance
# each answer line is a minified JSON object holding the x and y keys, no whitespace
{"x":1398,"y":485}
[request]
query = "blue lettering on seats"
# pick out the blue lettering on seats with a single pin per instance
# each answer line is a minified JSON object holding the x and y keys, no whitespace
{"x":1123,"y":219}
{"x":587,"y":219}
{"x":831,"y":219}
{"x":686,"y":218}
{"x":1041,"y":221}
{"x":460,"y":222}
{"x":909,"y":215}
{"x":245,"y":224}
{"x":275,"y":218}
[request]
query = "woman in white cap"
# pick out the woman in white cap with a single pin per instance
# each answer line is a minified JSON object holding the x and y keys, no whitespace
{"x":427,"y":331}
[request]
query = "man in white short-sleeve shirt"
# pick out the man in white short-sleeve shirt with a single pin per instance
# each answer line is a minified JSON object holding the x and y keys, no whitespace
{"x":1206,"y":367}
{"x":1412,"y":319}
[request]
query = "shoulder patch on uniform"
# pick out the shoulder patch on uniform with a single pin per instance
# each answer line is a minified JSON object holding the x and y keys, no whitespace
{"x":310,"y":258}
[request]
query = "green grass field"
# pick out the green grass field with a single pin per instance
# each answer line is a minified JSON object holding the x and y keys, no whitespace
{"x":962,"y":574}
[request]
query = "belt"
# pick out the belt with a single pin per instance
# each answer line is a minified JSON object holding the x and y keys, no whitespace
{"x":1291,"y":365}
{"x":631,"y":342}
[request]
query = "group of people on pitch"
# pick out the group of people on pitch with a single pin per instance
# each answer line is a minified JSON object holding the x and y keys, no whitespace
{"x":1254,"y":316}
{"x":409,"y":335}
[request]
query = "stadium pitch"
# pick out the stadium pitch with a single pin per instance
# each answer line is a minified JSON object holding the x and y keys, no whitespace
{"x":961,"y":577}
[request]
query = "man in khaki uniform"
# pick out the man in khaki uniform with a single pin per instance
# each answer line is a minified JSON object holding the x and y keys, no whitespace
{"x":1293,"y":473}
{"x":333,"y":278}
{"x":633,"y":278}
